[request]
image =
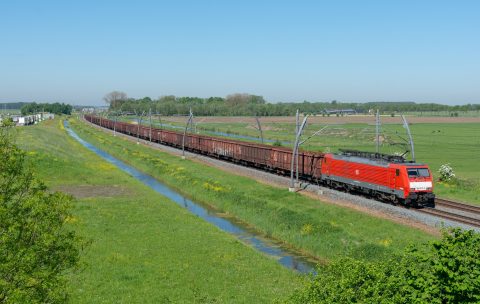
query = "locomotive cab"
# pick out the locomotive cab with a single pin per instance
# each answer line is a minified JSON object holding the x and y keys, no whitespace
{"x":419,"y":186}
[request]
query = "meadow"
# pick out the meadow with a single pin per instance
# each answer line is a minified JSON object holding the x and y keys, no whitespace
{"x":145,"y":248}
{"x":9,"y":111}
{"x":317,"y":229}
{"x":435,"y":144}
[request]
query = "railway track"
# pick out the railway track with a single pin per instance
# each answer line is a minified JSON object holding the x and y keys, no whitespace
{"x":458,"y":206}
{"x":470,"y":215}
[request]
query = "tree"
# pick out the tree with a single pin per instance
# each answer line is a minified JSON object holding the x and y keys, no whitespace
{"x":36,"y":245}
{"x":56,"y":108}
{"x":243,"y":99}
{"x":7,"y":122}
{"x":115,"y":98}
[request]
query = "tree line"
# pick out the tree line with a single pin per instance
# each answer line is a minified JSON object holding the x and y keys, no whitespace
{"x":55,"y":108}
{"x":12,"y":105}
{"x":251,"y":105}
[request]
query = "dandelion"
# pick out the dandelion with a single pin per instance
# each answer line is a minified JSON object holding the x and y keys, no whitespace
{"x":306,"y":229}
{"x":385,"y":242}
{"x":106,"y":166}
{"x":214,"y":187}
{"x":71,"y":219}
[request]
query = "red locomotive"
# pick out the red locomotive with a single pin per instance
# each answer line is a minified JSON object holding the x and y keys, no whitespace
{"x":386,"y":177}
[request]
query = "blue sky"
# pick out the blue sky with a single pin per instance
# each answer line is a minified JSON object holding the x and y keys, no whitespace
{"x":77,"y":51}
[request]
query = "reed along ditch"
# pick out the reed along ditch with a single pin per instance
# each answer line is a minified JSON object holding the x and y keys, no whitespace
{"x":283,"y":255}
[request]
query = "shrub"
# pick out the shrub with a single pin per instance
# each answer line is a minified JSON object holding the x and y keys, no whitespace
{"x":277,"y":143}
{"x":445,"y":271}
{"x":6,"y":122}
{"x":446,"y":173}
{"x":36,"y":245}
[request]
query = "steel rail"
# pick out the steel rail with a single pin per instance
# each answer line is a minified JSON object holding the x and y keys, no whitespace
{"x":457,"y":206}
{"x":451,"y":216}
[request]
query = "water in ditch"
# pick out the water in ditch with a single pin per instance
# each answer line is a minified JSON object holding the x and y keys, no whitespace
{"x":284,"y":256}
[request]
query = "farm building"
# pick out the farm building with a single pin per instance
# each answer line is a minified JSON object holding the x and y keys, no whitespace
{"x":340,"y":112}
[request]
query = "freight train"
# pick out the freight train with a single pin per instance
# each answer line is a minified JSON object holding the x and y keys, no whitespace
{"x":385,"y":177}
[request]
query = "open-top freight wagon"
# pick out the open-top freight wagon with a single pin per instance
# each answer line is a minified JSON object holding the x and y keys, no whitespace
{"x":386,"y":177}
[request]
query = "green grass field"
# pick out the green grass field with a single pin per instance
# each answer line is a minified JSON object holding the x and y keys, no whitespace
{"x":435,"y":144}
{"x":145,"y":248}
{"x":322,"y":230}
{"x":9,"y":111}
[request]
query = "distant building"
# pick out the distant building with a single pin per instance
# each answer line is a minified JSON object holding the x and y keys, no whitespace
{"x":340,"y":112}
{"x":88,"y":110}
{"x":31,"y":119}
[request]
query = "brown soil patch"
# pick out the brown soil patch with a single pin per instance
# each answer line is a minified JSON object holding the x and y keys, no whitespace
{"x":367,"y":119}
{"x":86,"y":191}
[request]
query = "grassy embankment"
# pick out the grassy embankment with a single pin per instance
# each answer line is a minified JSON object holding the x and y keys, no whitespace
{"x":145,"y":248}
{"x":435,"y":145}
{"x":322,"y":230}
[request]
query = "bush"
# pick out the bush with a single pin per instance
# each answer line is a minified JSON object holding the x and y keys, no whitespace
{"x":6,"y":122}
{"x":277,"y":143}
{"x":446,"y":173}
{"x":445,"y":271}
{"x":36,"y":246}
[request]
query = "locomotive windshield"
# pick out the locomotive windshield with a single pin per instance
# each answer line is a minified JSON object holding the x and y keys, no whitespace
{"x":418,"y":172}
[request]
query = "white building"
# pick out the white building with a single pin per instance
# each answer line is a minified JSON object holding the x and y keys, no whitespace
{"x":32,"y":119}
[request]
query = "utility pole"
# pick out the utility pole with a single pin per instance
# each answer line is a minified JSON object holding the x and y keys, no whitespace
{"x":139,"y":122}
{"x":297,"y":121}
{"x":292,"y":187}
{"x":150,"y":113}
{"x":297,"y":126}
{"x":301,"y":132}
{"x":189,"y":121}
{"x":377,"y":131}
{"x":115,"y":124}
{"x":405,"y":125}
{"x":259,"y":126}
